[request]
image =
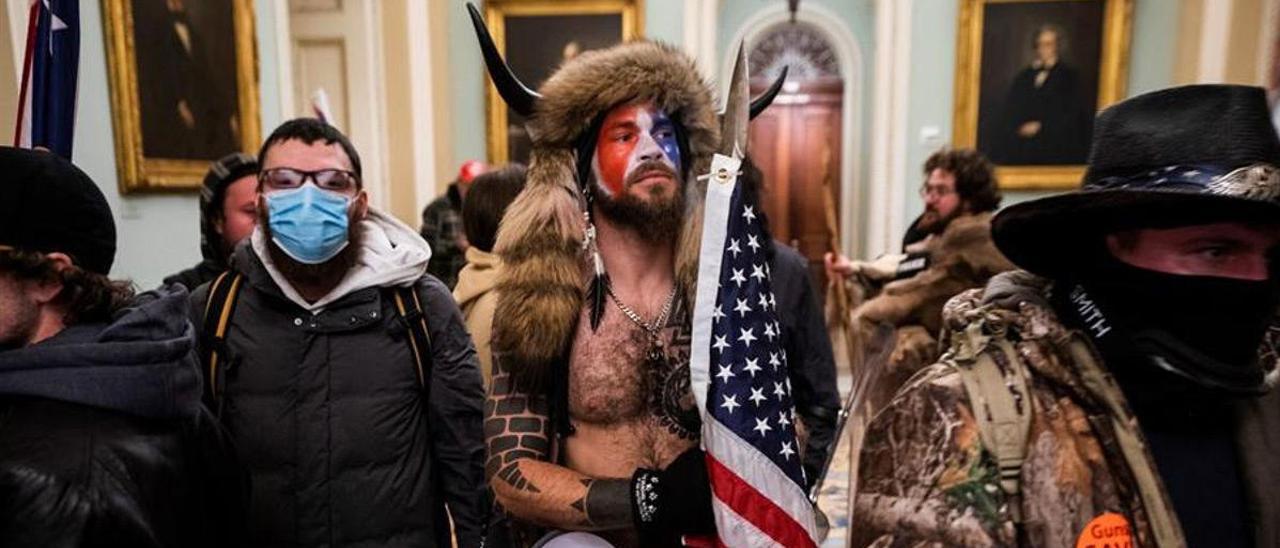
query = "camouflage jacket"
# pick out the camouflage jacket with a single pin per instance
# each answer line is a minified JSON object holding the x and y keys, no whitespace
{"x":925,"y":478}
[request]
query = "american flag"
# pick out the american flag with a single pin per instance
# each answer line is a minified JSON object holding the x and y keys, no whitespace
{"x":739,"y":375}
{"x":47,"y":101}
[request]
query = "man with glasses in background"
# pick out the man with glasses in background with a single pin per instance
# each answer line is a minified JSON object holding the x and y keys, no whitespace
{"x":960,"y":196}
{"x":341,"y":368}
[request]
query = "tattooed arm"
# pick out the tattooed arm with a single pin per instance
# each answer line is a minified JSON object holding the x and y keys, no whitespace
{"x":518,"y":436}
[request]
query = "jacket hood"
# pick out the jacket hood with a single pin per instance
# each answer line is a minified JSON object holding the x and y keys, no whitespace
{"x":391,"y":255}
{"x":143,"y":363}
{"x":477,"y":278}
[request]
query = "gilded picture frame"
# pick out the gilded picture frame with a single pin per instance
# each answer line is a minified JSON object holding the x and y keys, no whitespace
{"x":596,"y":23}
{"x":184,"y":89}
{"x":1103,"y":29}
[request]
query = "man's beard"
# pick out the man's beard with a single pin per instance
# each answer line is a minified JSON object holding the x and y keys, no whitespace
{"x":306,"y":274}
{"x":657,"y":219}
{"x":933,"y":223}
{"x":19,"y":323}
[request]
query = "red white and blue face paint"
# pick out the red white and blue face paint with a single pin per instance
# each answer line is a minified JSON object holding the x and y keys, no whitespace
{"x":635,"y":142}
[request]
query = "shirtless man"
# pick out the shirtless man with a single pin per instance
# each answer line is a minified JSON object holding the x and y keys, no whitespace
{"x":590,"y":423}
{"x":631,"y":411}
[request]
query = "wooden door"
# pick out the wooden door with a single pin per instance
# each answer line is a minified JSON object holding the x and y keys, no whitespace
{"x":789,"y":143}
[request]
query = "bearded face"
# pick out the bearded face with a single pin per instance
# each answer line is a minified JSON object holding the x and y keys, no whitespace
{"x":637,"y":171}
{"x":313,"y":273}
{"x":21,"y":313}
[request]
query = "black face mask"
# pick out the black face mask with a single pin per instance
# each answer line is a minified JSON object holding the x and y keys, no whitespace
{"x":1204,"y":330}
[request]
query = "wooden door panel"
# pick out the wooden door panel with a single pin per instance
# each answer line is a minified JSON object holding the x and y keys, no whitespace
{"x":764,"y":143}
{"x":788,"y":143}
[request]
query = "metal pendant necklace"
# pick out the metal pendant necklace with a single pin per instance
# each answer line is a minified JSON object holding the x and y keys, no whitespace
{"x":653,"y":329}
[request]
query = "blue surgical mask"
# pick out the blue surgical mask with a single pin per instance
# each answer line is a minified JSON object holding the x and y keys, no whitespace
{"x":307,"y":223}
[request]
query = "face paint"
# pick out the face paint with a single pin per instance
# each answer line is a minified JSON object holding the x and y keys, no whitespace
{"x":630,"y":136}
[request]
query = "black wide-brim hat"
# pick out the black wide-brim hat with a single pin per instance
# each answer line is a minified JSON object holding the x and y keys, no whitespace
{"x":1176,"y":157}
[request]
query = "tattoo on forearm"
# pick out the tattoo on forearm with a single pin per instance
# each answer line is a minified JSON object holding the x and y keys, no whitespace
{"x":607,"y":502}
{"x":511,"y":474}
{"x":515,"y":428}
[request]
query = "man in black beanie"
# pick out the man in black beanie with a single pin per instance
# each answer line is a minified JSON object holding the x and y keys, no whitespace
{"x":1119,"y":392}
{"x":103,"y":439}
{"x":228,"y":214}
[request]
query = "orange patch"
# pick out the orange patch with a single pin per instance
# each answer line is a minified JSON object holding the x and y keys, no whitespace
{"x":1109,"y":530}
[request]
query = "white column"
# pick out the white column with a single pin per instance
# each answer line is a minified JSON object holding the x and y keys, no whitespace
{"x":284,"y":62}
{"x":1215,"y":40}
{"x":1269,"y":22}
{"x":700,"y":24}
{"x":422,"y":100}
{"x":888,"y":188}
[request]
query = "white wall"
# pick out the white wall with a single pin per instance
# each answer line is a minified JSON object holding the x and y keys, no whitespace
{"x":157,"y":234}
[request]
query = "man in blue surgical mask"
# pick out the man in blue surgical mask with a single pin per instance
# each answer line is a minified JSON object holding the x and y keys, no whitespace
{"x":341,"y":368}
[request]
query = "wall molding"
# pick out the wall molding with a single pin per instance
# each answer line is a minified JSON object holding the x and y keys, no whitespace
{"x":850,"y":57}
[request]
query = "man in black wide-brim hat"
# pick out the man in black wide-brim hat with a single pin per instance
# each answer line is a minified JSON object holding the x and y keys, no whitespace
{"x":1119,"y":390}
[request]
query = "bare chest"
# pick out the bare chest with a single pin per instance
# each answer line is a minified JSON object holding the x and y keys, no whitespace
{"x":614,"y":377}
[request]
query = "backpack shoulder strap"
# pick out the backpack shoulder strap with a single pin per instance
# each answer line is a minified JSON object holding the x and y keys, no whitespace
{"x":409,"y":310}
{"x":996,"y":383}
{"x":218,"y":307}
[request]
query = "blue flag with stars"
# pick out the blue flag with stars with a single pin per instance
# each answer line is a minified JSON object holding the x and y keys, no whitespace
{"x":51,"y":66}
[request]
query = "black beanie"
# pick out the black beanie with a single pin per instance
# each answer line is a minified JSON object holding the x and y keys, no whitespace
{"x":48,"y":205}
{"x":222,"y":173}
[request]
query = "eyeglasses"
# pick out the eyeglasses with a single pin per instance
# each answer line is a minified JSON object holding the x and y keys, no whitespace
{"x":939,"y":191}
{"x":333,"y":180}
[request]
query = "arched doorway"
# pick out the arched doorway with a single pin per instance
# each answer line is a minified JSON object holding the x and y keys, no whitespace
{"x":797,"y":142}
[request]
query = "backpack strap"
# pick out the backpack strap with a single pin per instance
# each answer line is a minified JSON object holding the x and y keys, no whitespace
{"x":409,"y":309}
{"x":996,"y":383}
{"x":218,"y":307}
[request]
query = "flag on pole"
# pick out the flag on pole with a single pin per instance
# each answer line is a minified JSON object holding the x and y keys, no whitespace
{"x":739,"y":375}
{"x":47,"y":100}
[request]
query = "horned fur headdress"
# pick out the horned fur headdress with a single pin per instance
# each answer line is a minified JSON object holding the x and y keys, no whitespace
{"x":544,"y":284}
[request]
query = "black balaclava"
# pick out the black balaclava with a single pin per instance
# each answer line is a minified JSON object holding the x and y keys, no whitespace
{"x":1188,"y":334}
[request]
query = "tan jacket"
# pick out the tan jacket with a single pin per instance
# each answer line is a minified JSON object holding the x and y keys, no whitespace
{"x":962,"y":257}
{"x":477,"y":299}
{"x":925,"y":476}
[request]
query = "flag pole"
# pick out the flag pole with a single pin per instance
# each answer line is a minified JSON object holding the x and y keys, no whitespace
{"x":864,"y":368}
{"x":33,"y":19}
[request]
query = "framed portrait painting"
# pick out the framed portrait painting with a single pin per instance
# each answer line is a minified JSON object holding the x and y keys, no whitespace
{"x":1030,"y":76}
{"x":184,"y":88}
{"x":535,"y":37}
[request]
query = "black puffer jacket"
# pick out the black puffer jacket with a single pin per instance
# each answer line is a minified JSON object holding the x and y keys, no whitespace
{"x":328,"y":415}
{"x":103,"y":441}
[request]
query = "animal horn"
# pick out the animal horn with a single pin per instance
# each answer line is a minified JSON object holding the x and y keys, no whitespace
{"x":765,"y":99}
{"x":519,"y":97}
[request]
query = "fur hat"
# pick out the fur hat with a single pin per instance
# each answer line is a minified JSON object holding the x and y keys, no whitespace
{"x":1175,"y":157}
{"x":541,"y":238}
